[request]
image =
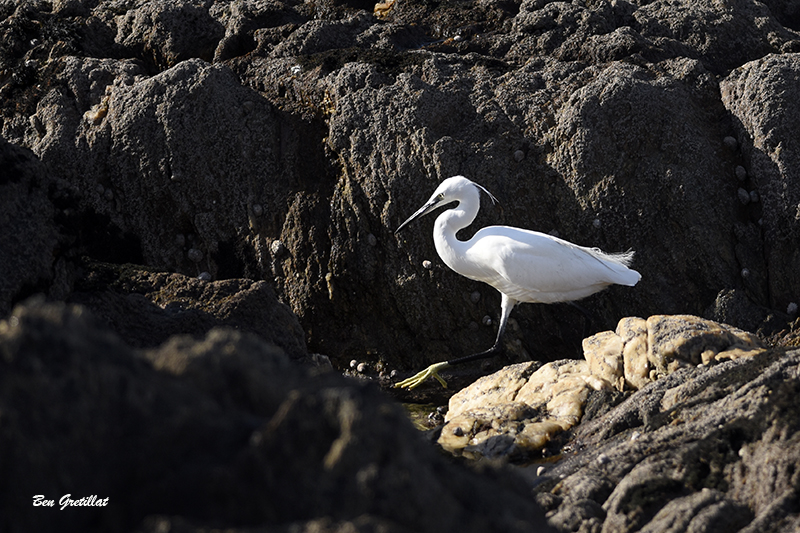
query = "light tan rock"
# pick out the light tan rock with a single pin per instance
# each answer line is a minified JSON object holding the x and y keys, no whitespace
{"x":679,"y":340}
{"x":534,"y":407}
{"x":633,"y":332}
{"x":498,"y":388}
{"x":519,"y":409}
{"x":604,"y":353}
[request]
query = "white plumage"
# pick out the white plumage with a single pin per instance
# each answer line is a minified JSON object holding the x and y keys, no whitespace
{"x":524,"y":265}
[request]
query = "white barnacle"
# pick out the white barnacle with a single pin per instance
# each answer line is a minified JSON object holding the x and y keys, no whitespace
{"x":277,"y":248}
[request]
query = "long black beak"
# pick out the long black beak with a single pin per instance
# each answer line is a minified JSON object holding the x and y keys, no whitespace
{"x":422,"y":211}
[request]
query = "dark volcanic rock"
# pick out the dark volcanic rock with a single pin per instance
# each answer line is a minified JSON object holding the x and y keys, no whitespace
{"x":224,"y":430}
{"x":271,"y":147}
{"x":142,"y":158}
{"x":318,"y":127}
{"x":764,"y":98}
{"x":168,"y":33}
{"x":146,"y":308}
{"x":692,"y":449}
{"x":29,"y":235}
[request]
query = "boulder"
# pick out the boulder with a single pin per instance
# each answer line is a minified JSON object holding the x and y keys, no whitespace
{"x":146,"y":308}
{"x":762,"y":98}
{"x":133,"y":162}
{"x":517,"y":411}
{"x":223,"y":431}
{"x":168,"y":33}
{"x":691,"y":449}
{"x":709,"y":445}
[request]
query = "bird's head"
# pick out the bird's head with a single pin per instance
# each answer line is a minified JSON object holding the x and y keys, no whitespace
{"x":455,"y":189}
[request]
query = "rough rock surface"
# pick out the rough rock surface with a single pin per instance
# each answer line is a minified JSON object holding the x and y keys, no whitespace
{"x":29,"y":236}
{"x":221,"y":430}
{"x":247,"y":150}
{"x":145,"y":308}
{"x":518,"y":410}
{"x":703,"y":449}
{"x":763,"y":98}
{"x":284,"y":141}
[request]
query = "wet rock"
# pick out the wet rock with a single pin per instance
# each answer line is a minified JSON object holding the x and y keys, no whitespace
{"x":517,"y":410}
{"x":220,"y":430}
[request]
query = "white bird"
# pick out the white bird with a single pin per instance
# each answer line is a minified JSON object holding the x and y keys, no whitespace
{"x":524,"y":265}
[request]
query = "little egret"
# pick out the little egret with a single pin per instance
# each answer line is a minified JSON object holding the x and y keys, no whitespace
{"x":524,"y":265}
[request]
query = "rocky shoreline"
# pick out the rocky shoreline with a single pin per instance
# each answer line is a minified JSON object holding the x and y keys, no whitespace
{"x":197,"y":207}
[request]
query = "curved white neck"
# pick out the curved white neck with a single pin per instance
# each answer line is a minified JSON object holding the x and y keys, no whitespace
{"x":450,"y":249}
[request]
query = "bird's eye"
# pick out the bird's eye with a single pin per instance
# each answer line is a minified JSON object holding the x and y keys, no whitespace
{"x":440,"y":197}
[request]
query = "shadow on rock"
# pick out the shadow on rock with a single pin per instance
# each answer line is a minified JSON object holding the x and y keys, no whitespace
{"x":225,"y":431}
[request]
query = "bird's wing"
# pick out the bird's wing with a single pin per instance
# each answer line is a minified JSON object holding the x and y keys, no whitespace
{"x":533,"y":267}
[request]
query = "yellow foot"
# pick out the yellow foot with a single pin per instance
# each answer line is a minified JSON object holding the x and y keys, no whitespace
{"x":417,"y":379}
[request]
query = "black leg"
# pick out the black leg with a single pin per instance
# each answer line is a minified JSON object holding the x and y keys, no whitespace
{"x":497,"y":349}
{"x":414,"y":381}
{"x":506,"y":306}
